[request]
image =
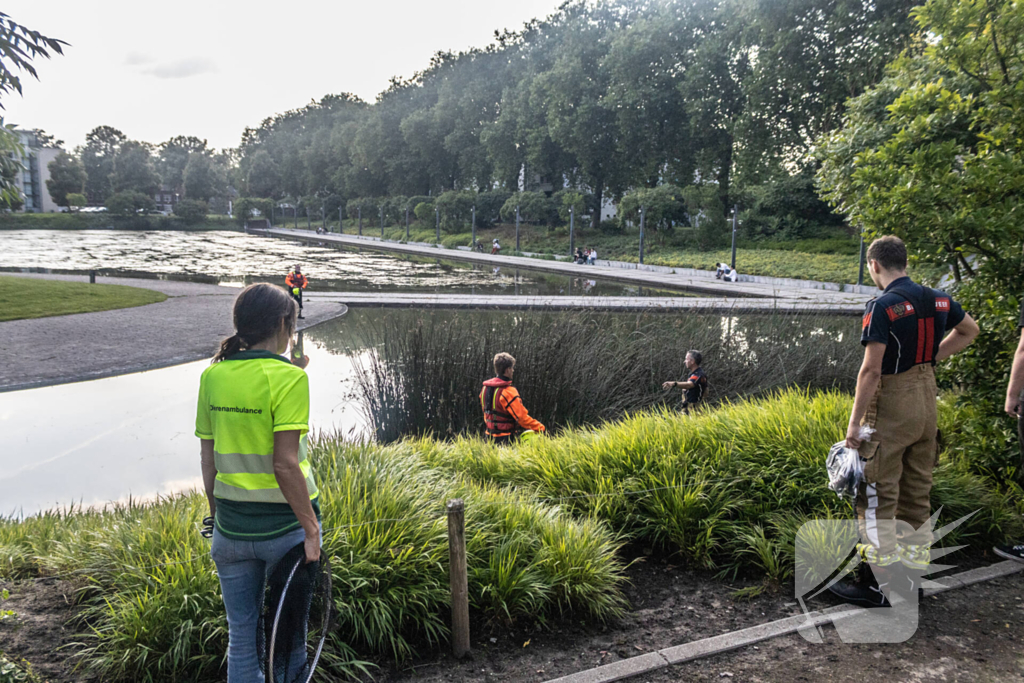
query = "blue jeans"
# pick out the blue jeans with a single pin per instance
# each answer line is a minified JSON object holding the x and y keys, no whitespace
{"x":243,"y":567}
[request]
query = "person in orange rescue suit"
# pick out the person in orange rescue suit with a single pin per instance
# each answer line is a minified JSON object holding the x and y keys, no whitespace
{"x":905,"y":331}
{"x":504,"y":412}
{"x":296,"y":282}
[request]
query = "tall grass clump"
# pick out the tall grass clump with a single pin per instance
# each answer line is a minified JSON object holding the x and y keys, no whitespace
{"x":151,"y":605}
{"x":725,"y":490}
{"x":421,"y":371}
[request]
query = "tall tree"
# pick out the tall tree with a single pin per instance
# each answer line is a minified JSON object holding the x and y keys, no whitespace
{"x":101,"y":146}
{"x":203,"y":178}
{"x":67,"y":176}
{"x":173,"y":156}
{"x":134,"y":169}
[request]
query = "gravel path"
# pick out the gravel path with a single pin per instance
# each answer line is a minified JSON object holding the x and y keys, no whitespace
{"x":187,"y":326}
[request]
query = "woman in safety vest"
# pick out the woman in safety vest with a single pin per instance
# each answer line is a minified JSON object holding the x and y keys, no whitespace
{"x":504,"y":412}
{"x":252,"y":419}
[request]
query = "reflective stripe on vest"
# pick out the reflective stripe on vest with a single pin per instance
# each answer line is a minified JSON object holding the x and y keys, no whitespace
{"x":250,"y":477}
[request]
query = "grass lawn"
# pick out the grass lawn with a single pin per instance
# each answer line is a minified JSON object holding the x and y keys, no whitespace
{"x":826,"y":260}
{"x":22,"y":297}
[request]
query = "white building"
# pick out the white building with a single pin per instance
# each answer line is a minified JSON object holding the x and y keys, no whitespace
{"x":35,"y":162}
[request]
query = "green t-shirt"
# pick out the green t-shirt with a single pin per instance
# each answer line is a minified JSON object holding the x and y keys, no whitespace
{"x":243,"y":401}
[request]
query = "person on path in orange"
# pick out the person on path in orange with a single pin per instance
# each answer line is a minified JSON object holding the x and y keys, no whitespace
{"x":504,"y":412}
{"x":296,"y":282}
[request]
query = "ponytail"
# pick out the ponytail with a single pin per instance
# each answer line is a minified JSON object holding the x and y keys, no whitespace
{"x":258,"y":312}
{"x":229,"y":347}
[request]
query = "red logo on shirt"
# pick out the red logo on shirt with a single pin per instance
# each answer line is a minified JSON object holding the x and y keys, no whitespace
{"x":901,"y":310}
{"x":866,"y":322}
{"x":942,"y":304}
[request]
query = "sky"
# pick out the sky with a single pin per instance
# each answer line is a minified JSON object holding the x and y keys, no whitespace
{"x":210,"y":68}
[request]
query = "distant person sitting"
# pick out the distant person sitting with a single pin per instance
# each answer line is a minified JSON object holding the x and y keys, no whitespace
{"x":296,"y":282}
{"x":695,"y":386}
{"x":723,"y":271}
{"x":578,"y":256}
{"x":592,"y":257}
{"x":504,"y":412}
{"x":495,"y":246}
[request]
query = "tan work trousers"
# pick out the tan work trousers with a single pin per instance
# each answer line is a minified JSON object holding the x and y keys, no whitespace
{"x":899,"y":461}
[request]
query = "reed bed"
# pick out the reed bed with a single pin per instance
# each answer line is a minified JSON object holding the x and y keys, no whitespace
{"x":423,"y":370}
{"x":151,"y":607}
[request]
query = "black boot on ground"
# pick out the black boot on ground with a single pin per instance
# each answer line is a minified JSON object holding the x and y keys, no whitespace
{"x":861,"y":588}
{"x":1010,"y":552}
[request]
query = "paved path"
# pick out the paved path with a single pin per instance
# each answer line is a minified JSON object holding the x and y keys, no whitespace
{"x":188,"y":326}
{"x":636,"y":277}
{"x":605,"y":303}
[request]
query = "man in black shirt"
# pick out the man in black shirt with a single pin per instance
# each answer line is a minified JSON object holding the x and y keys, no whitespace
{"x":1015,"y":408}
{"x":695,"y":385}
{"x":904,"y":335}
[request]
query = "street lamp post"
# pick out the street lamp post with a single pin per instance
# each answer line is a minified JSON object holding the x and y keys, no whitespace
{"x":735,"y":211}
{"x":359,"y":213}
{"x":572,"y":233}
{"x":437,"y":223}
{"x":474,"y":228}
{"x":517,"y":228}
{"x":643,"y":211}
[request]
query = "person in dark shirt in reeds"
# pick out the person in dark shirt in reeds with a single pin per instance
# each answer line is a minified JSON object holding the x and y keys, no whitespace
{"x":695,"y":385}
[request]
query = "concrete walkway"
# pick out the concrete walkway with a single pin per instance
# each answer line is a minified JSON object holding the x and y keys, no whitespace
{"x":728,"y":306}
{"x":188,"y":326}
{"x":688,"y":282}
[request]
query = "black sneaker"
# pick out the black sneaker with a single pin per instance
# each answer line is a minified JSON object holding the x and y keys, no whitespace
{"x":1010,"y":552}
{"x":861,"y":588}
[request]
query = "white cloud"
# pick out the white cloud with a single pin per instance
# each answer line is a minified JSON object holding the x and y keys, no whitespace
{"x":182,"y":68}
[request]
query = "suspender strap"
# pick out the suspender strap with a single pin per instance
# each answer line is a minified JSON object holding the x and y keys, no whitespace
{"x":924,"y":309}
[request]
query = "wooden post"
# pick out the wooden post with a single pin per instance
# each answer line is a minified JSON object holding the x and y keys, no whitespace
{"x":458,"y":577}
{"x":92,"y":277}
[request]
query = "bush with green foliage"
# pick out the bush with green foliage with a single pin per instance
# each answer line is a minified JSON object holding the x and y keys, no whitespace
{"x":455,"y":209}
{"x":707,"y":216}
{"x":664,"y":207}
{"x":425,"y":212}
{"x":192,"y":211}
{"x":488,"y":207}
{"x":788,"y":208}
{"x":129,"y":204}
{"x":534,"y":207}
{"x":247,"y":207}
{"x":76,"y":201}
{"x":368,"y":207}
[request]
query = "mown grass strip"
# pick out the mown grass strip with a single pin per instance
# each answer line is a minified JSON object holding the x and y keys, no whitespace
{"x":24,"y":297}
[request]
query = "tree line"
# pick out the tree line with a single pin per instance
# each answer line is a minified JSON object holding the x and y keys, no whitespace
{"x":722,"y":96}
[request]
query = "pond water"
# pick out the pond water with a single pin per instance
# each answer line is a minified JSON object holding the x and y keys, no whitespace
{"x":234,"y":258}
{"x":90,"y":443}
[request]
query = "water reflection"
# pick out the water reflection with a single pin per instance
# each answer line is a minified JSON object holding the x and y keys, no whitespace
{"x":94,"y":442}
{"x":235,"y":258}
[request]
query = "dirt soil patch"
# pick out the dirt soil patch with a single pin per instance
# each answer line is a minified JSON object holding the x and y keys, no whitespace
{"x":41,"y":633}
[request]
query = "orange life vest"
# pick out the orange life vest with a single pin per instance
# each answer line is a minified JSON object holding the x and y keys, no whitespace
{"x":498,"y":420}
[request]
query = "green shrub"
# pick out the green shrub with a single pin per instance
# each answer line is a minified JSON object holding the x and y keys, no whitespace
{"x":129,"y":204}
{"x":534,"y":207}
{"x":455,"y":208}
{"x":191,"y":211}
{"x":424,"y":211}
